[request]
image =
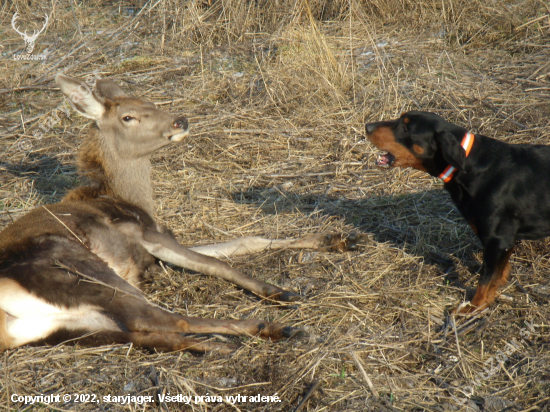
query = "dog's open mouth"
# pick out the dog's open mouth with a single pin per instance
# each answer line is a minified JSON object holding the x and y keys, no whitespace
{"x":385,"y":160}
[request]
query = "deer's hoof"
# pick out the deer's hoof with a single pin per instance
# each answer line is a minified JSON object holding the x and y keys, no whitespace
{"x":290,"y":332}
{"x":289,"y":297}
{"x":341,"y":242}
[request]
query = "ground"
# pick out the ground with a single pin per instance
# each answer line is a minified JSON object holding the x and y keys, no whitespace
{"x":277,"y":94}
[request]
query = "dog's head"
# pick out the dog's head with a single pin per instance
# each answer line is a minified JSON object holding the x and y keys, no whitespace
{"x":422,"y":140}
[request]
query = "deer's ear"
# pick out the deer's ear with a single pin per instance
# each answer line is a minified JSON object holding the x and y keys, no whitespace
{"x":81,"y":97}
{"x":109,"y":89}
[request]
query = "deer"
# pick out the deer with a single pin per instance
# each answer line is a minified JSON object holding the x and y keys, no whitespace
{"x":30,"y":40}
{"x":72,"y":271}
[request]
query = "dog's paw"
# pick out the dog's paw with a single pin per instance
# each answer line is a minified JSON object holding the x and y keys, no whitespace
{"x":466,"y":308}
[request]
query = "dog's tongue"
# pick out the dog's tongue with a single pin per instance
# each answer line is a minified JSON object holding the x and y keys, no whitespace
{"x":385,"y":160}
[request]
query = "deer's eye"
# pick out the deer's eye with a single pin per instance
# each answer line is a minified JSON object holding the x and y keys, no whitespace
{"x":127,"y":118}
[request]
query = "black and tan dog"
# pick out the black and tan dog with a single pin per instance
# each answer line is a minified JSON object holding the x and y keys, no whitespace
{"x":502,"y":190}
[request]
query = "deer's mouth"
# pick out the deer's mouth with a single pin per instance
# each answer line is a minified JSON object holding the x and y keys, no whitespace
{"x":178,"y":137}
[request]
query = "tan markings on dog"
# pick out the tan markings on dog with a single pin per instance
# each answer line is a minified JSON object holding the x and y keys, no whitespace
{"x":406,"y":120}
{"x":384,"y":139}
{"x":417,"y":149}
{"x":485,"y":294}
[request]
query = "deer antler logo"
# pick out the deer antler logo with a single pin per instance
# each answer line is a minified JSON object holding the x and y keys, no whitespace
{"x":29,"y":39}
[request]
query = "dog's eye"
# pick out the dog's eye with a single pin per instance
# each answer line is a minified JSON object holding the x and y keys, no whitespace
{"x":127,"y":118}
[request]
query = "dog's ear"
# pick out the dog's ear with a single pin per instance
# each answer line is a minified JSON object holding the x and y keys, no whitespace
{"x":452,"y":150}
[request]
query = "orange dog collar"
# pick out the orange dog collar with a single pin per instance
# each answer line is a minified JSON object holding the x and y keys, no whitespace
{"x":467,"y":143}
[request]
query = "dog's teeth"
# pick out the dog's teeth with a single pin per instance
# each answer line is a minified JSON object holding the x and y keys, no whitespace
{"x":381,"y":161}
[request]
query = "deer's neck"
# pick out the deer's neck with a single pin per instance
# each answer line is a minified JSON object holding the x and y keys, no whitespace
{"x":111,"y":174}
{"x":130,"y":180}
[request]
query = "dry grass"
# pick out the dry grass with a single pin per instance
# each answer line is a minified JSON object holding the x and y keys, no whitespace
{"x":277,"y":94}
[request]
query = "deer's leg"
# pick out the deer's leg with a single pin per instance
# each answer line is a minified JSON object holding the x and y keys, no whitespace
{"x":252,"y":244}
{"x":84,"y":300}
{"x":167,"y":249}
{"x":161,"y":342}
{"x":153,"y":319}
{"x":251,"y":327}
{"x":133,"y":313}
{"x":142,"y":316}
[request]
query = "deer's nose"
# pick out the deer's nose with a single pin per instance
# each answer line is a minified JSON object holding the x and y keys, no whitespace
{"x":181,"y":123}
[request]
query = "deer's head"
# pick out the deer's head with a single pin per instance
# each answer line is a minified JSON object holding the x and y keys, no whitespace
{"x":129,"y":127}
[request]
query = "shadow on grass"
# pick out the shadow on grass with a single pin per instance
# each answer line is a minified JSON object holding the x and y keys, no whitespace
{"x":51,"y":178}
{"x":424,"y":224}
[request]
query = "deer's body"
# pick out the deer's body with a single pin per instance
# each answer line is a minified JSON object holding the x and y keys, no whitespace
{"x":71,"y":270}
